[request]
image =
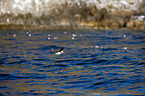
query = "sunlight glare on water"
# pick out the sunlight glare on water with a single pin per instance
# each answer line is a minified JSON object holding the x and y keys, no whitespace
{"x":95,"y":62}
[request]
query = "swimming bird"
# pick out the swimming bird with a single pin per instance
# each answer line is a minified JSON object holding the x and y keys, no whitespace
{"x":58,"y":52}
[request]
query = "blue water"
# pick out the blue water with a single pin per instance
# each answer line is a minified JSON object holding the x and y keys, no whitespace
{"x":95,"y":62}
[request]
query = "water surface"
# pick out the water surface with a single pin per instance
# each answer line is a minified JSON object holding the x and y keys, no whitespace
{"x":95,"y":62}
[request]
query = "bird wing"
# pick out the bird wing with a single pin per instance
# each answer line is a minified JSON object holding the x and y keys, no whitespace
{"x":61,"y":49}
{"x":54,"y":50}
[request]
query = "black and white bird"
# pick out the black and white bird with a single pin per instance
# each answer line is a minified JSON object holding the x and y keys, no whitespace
{"x":58,"y":52}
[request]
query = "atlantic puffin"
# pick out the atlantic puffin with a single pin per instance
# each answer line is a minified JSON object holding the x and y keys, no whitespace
{"x":58,"y":52}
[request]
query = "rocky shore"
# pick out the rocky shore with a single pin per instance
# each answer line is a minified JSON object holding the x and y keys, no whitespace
{"x":74,"y":16}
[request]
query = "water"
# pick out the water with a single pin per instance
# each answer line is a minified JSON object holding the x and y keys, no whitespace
{"x":95,"y":62}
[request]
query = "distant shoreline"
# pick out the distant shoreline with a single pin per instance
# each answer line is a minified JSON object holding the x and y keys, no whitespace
{"x":142,"y":27}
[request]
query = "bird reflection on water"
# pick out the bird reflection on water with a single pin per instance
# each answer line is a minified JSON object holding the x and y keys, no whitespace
{"x":94,"y":63}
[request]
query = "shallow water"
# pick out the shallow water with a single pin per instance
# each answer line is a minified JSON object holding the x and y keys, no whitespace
{"x":95,"y":62}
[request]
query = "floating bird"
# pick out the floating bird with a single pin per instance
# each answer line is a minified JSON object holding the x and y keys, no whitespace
{"x":48,"y":34}
{"x":74,"y":35}
{"x":58,"y":52}
{"x":96,"y":46}
{"x":14,"y":35}
{"x":81,"y":35}
{"x":48,"y":38}
{"x":125,"y":47}
{"x":55,"y":38}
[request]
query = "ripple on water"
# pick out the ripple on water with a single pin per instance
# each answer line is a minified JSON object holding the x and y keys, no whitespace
{"x":41,"y":59}
{"x":4,"y":76}
{"x":17,"y":62}
{"x":94,"y":63}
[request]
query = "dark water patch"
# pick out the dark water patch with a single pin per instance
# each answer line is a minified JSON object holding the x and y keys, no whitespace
{"x":78,"y":82}
{"x":143,"y":48}
{"x":2,"y":60}
{"x":42,"y":59}
{"x":100,"y":61}
{"x":3,"y":87}
{"x":133,"y":88}
{"x":4,"y":76}
{"x":139,"y":42}
{"x":56,"y":65}
{"x":30,"y":76}
{"x":113,"y":74}
{"x":115,"y":38}
{"x":64,"y":60}
{"x":2,"y":94}
{"x":33,"y":94}
{"x":32,"y":90}
{"x":17,"y":62}
{"x":99,"y":83}
{"x":37,"y":54}
{"x":25,"y":76}
{"x":83,"y":63}
{"x":10,"y":39}
{"x":141,"y":63}
{"x":108,"y":49}
{"x":38,"y":64}
{"x":94,"y":55}
{"x":98,"y":74}
{"x":139,"y":37}
{"x":15,"y":57}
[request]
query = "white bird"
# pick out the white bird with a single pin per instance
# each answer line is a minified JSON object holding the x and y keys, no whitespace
{"x":74,"y":35}
{"x":48,"y":38}
{"x":48,"y":34}
{"x":55,"y":38}
{"x":58,"y":52}
{"x":14,"y":35}
{"x":125,"y":47}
